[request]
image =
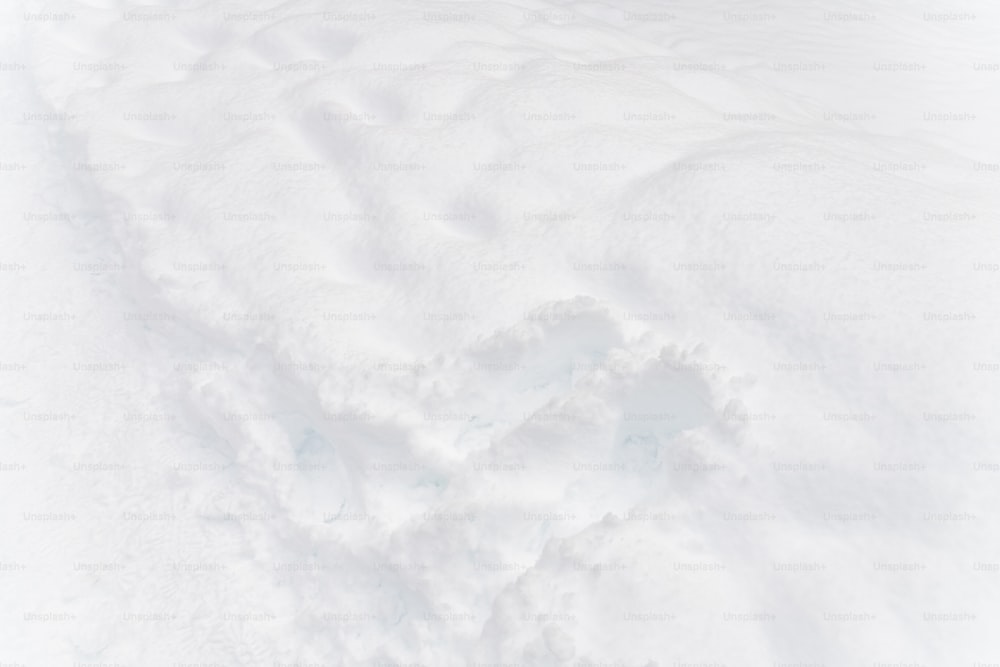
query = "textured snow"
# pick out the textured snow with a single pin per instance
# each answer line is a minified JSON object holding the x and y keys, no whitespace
{"x":493,"y":333}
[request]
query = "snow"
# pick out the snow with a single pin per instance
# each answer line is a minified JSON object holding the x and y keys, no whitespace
{"x":482,"y":333}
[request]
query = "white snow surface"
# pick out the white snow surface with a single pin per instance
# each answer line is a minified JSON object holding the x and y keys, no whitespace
{"x":524,"y":333}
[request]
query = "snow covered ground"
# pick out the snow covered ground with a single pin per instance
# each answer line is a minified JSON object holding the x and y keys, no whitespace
{"x":529,"y":333}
